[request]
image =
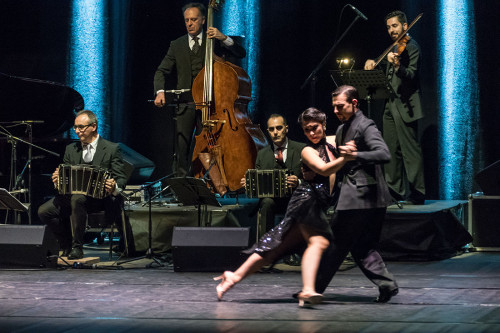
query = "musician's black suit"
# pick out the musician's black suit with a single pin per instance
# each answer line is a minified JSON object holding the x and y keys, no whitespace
{"x":401,"y":113}
{"x":55,"y":212}
{"x":361,"y":208}
{"x":266,"y":160}
{"x":182,"y":63}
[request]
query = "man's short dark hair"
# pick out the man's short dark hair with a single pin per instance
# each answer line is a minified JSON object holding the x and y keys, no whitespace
{"x":276,"y":115}
{"x":201,"y":7}
{"x":90,"y":114}
{"x":311,"y":114}
{"x":397,"y":13}
{"x":349,"y":91}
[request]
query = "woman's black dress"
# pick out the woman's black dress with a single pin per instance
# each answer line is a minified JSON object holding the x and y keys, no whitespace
{"x":308,"y":205}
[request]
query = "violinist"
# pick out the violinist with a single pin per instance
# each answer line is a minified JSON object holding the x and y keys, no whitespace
{"x":404,"y":173}
{"x":184,"y":59}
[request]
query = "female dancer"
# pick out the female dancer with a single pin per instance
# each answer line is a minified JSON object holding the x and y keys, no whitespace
{"x":305,"y":219}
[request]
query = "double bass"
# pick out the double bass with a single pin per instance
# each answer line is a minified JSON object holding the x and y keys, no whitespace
{"x":228,"y":143}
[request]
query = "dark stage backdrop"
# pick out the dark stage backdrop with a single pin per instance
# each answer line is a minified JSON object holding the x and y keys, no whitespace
{"x":295,"y":36}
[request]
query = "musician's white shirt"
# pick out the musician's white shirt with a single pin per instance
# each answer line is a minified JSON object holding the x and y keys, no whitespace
{"x":92,"y":147}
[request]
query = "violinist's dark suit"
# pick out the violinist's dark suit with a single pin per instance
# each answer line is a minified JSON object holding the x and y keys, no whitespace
{"x":400,"y":117}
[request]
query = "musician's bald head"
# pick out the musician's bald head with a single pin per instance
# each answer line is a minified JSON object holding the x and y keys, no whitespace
{"x":277,"y":128}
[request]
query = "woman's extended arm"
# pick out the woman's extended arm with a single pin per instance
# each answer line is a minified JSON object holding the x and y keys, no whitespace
{"x":311,"y":158}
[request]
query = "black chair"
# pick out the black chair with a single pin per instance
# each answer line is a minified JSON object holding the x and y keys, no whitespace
{"x":110,"y":221}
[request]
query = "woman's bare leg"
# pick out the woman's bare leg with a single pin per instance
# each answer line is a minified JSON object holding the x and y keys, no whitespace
{"x":255,"y":262}
{"x":316,"y":245}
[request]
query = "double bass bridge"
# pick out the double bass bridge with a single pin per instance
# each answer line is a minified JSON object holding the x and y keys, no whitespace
{"x":211,"y":123}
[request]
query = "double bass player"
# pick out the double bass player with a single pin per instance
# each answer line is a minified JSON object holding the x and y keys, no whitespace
{"x":185,"y":58}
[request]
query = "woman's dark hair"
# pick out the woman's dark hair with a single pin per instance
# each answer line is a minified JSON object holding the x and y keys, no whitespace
{"x":311,"y":114}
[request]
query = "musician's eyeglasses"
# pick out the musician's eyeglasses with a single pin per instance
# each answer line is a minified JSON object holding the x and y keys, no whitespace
{"x":278,"y":128}
{"x":81,"y":127}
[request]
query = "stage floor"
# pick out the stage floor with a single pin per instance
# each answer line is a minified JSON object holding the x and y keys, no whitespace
{"x":460,"y":294}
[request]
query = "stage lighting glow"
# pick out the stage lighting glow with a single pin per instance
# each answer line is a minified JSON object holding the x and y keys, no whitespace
{"x":242,"y":18}
{"x":88,"y":57}
{"x":458,"y":98}
{"x":346,"y":63}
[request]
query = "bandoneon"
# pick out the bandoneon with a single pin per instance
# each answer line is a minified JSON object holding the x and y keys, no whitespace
{"x":267,"y":183}
{"x":83,"y":179}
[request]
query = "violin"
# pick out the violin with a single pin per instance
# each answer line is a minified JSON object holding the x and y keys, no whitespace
{"x":399,"y":44}
{"x":400,"y":48}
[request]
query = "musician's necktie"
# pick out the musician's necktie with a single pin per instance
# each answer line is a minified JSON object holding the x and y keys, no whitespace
{"x":279,"y":155}
{"x":87,"y":157}
{"x":196,"y":46}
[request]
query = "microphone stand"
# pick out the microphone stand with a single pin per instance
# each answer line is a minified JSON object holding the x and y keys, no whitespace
{"x":177,"y":102}
{"x":313,"y":76}
{"x":14,"y":180}
{"x":149,"y":252}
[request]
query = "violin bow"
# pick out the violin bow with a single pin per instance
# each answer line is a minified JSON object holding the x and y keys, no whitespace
{"x":382,"y":56}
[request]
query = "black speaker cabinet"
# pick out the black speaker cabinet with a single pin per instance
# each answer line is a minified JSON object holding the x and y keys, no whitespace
{"x":137,"y":167}
{"x":488,"y":179}
{"x":27,"y":246}
{"x":208,"y":249}
{"x":484,"y":222}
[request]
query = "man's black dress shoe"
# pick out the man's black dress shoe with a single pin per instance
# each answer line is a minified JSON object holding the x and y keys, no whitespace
{"x":66,"y":252}
{"x":76,"y":253}
{"x":386,"y":295}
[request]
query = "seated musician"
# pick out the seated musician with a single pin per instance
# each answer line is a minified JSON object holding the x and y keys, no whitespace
{"x":282,"y":154}
{"x":93,"y":150}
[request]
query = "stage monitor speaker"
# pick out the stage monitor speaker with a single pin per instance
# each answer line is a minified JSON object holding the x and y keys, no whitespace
{"x":488,"y":179}
{"x":208,"y":249}
{"x":484,"y":219}
{"x":137,"y":167}
{"x":27,"y":246}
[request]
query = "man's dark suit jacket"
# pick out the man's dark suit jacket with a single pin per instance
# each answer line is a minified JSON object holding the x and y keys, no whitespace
{"x":178,"y":60}
{"x":361,"y":182}
{"x":107,"y":155}
{"x":266,"y":160}
{"x":406,"y":84}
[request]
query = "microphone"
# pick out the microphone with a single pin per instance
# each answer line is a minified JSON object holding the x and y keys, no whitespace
{"x":177,"y":91}
{"x":28,"y":122}
{"x":360,"y":14}
{"x":23,"y":190}
{"x":123,"y":194}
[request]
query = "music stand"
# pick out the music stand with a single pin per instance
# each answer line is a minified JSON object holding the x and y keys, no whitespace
{"x":7,"y":201}
{"x":370,"y":84}
{"x":192,"y":192}
{"x":149,"y":252}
